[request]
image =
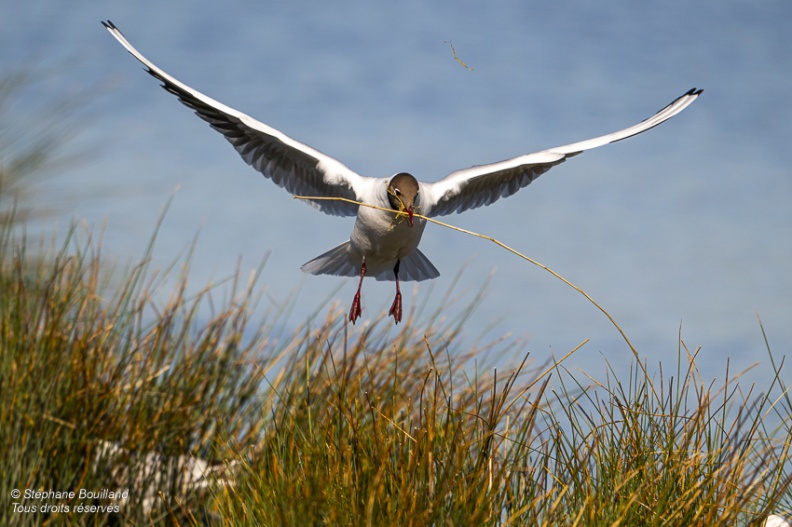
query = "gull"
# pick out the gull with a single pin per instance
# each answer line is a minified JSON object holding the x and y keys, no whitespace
{"x":383,"y":243}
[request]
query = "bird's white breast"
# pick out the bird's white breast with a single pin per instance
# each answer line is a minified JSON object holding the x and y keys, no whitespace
{"x":380,"y":236}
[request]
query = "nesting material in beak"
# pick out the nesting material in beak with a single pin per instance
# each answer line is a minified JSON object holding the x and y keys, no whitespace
{"x":403,"y":191}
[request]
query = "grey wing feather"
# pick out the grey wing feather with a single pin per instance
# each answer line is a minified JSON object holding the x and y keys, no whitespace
{"x":483,"y":185}
{"x":292,"y":165}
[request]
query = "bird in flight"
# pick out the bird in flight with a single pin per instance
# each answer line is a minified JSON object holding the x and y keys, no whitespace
{"x":383,"y":243}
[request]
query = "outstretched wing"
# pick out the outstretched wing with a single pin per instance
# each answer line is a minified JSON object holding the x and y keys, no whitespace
{"x":482,"y":185}
{"x":297,"y":167}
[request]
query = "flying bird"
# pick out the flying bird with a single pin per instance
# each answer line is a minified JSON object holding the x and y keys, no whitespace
{"x":383,"y":244}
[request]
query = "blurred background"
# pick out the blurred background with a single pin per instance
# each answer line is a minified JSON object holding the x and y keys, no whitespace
{"x":688,"y":224}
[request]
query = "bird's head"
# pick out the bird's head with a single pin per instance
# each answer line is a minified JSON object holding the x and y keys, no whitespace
{"x":403,"y":194}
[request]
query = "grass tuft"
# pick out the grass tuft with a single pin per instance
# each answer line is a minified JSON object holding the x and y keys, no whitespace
{"x":104,"y":387}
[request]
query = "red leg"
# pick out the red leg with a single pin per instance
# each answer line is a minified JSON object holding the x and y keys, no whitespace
{"x":396,"y":308}
{"x":356,"y":310}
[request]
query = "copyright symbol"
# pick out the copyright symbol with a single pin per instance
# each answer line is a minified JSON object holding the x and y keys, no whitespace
{"x":15,"y":493}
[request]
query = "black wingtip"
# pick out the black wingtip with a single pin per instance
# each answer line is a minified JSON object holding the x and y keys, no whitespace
{"x":109,"y":25}
{"x":694,"y":91}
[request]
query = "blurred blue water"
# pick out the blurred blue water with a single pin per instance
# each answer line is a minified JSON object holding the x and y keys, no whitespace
{"x":689,"y":223}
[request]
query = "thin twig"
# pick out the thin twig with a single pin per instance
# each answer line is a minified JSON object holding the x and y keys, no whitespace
{"x":500,"y":244}
{"x":461,"y":62}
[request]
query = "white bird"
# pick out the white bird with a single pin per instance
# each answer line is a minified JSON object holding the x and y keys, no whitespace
{"x":775,"y":521}
{"x":382,"y":244}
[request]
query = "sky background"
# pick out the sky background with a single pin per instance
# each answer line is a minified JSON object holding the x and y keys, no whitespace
{"x":689,"y":223}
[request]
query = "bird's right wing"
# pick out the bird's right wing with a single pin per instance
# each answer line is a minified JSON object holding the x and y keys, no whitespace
{"x":482,"y":185}
{"x":297,"y":167}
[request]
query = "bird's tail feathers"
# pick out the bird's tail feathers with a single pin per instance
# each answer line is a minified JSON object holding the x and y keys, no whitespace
{"x":414,"y":268}
{"x":342,"y":261}
{"x":338,"y":261}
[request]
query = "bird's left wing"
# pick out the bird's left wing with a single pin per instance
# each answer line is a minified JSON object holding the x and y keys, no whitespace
{"x":482,"y":185}
{"x":297,"y":167}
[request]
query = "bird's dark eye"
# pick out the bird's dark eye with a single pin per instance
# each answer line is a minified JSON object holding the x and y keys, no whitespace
{"x":397,"y":192}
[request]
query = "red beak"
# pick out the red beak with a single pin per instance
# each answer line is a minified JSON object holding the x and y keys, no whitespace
{"x":410,"y":216}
